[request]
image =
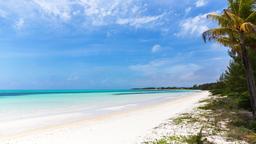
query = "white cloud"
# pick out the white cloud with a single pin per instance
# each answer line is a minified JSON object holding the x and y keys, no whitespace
{"x":130,"y":13}
{"x":138,"y":21}
{"x":166,"y":71}
{"x":218,"y":59}
{"x":102,"y":12}
{"x":19,"y":24}
{"x":218,"y":47}
{"x":98,"y":12}
{"x":55,"y":8}
{"x":85,"y":13}
{"x":187,"y":10}
{"x":3,"y":14}
{"x":156,"y":48}
{"x":200,"y":3}
{"x":194,"y":25}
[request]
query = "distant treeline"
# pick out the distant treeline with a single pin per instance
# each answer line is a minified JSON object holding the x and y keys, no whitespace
{"x":206,"y":86}
{"x":163,"y":88}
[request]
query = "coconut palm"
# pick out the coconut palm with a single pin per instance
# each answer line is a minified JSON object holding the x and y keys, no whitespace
{"x":237,"y":30}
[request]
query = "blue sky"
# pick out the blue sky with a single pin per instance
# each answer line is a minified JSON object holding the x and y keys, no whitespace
{"x":106,"y":44}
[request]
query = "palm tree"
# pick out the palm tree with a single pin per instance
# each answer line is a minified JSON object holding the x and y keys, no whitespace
{"x":237,"y":30}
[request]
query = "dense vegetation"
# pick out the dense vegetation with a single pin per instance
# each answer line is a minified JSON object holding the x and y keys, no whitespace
{"x":236,"y":86}
{"x":237,"y":31}
{"x":232,"y":82}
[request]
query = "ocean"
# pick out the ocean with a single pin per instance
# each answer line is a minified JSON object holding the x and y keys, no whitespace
{"x":25,"y":104}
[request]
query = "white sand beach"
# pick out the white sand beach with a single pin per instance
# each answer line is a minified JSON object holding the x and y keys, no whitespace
{"x":120,"y":127}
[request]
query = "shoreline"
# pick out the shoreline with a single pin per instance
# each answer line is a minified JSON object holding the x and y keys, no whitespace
{"x":126,"y":125}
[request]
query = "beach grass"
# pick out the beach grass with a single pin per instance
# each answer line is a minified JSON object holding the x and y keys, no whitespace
{"x":190,"y":139}
{"x":216,"y":119}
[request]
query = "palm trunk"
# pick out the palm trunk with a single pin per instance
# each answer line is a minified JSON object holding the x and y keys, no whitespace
{"x":249,"y":76}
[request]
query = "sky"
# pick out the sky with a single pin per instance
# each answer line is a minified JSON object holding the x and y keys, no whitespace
{"x":107,"y":44}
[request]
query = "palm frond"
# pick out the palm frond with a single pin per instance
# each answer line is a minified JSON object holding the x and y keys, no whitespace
{"x":248,"y":27}
{"x":236,"y":20}
{"x":223,"y":21}
{"x":245,"y":8}
{"x":217,"y":33}
{"x":239,"y":17}
{"x":234,"y":6}
{"x":226,"y":41}
{"x":251,"y":17}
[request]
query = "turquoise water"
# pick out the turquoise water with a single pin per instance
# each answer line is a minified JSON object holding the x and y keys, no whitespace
{"x":22,"y":104}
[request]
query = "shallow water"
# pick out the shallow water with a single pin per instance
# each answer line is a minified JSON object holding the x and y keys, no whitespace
{"x":22,"y":104}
